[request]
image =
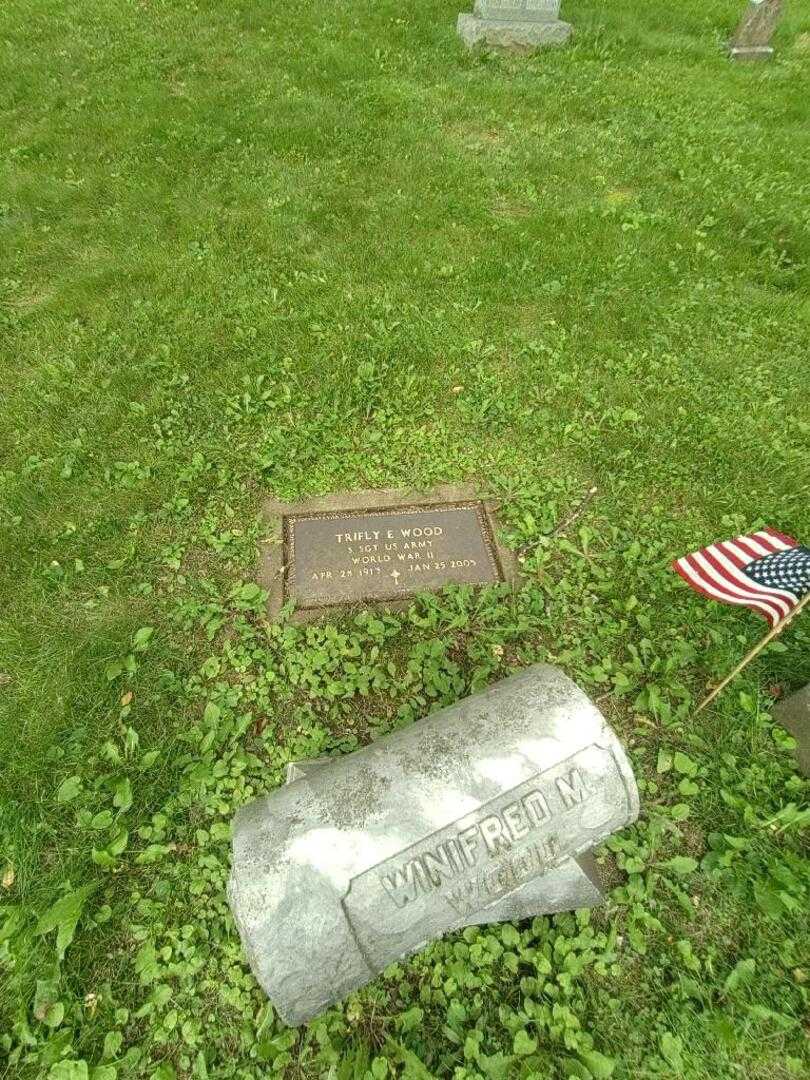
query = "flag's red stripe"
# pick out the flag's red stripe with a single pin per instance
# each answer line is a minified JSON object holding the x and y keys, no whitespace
{"x":733,"y":592}
{"x":755,"y":548}
{"x":771,"y":544}
{"x":783,"y":598}
{"x":721,"y":577}
{"x":696,"y":585}
{"x":739,"y":557}
{"x":787,"y":541}
{"x":692,"y":576}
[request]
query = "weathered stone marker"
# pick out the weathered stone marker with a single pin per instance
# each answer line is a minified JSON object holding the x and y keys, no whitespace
{"x":483,"y":811}
{"x":574,"y":884}
{"x":752,"y":40}
{"x":794,"y":714}
{"x":379,"y":546}
{"x":516,"y":25}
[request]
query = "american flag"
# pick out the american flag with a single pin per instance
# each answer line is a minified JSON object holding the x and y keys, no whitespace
{"x":765,"y":571}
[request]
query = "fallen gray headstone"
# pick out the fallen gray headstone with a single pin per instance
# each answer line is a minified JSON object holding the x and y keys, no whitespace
{"x":482,"y":811}
{"x":515,"y":25}
{"x":752,"y":41}
{"x":794,"y":714}
{"x":572,"y":885}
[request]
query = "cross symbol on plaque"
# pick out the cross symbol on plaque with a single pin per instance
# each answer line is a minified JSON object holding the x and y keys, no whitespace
{"x":395,"y":575}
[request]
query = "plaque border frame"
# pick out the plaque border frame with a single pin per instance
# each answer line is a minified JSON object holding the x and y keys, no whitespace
{"x":274,"y":558}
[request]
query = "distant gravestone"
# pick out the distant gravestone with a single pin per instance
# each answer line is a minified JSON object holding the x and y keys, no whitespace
{"x":483,"y":811}
{"x":514,"y":25}
{"x":374,"y":547}
{"x":752,"y":40}
{"x":794,"y":714}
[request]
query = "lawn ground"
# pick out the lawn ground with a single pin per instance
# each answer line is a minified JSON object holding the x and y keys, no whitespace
{"x":291,"y":248}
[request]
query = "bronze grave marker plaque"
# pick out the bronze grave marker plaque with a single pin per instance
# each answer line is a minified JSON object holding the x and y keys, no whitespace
{"x":386,"y":555}
{"x":327,"y":554}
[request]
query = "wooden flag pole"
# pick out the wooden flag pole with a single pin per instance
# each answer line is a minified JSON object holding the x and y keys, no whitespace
{"x":774,"y":632}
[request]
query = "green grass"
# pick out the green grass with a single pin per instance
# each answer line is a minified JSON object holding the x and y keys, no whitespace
{"x":299,"y":247}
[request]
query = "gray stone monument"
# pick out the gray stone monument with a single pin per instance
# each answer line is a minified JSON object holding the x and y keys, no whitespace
{"x":794,"y":714}
{"x":516,"y":25}
{"x":484,"y":811}
{"x":752,"y":40}
{"x":574,"y":885}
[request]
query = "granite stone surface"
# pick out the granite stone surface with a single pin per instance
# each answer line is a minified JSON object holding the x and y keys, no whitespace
{"x":752,"y":41}
{"x":572,"y":885}
{"x":482,"y":811}
{"x":516,"y":35}
{"x":794,"y":714}
{"x":517,"y":10}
